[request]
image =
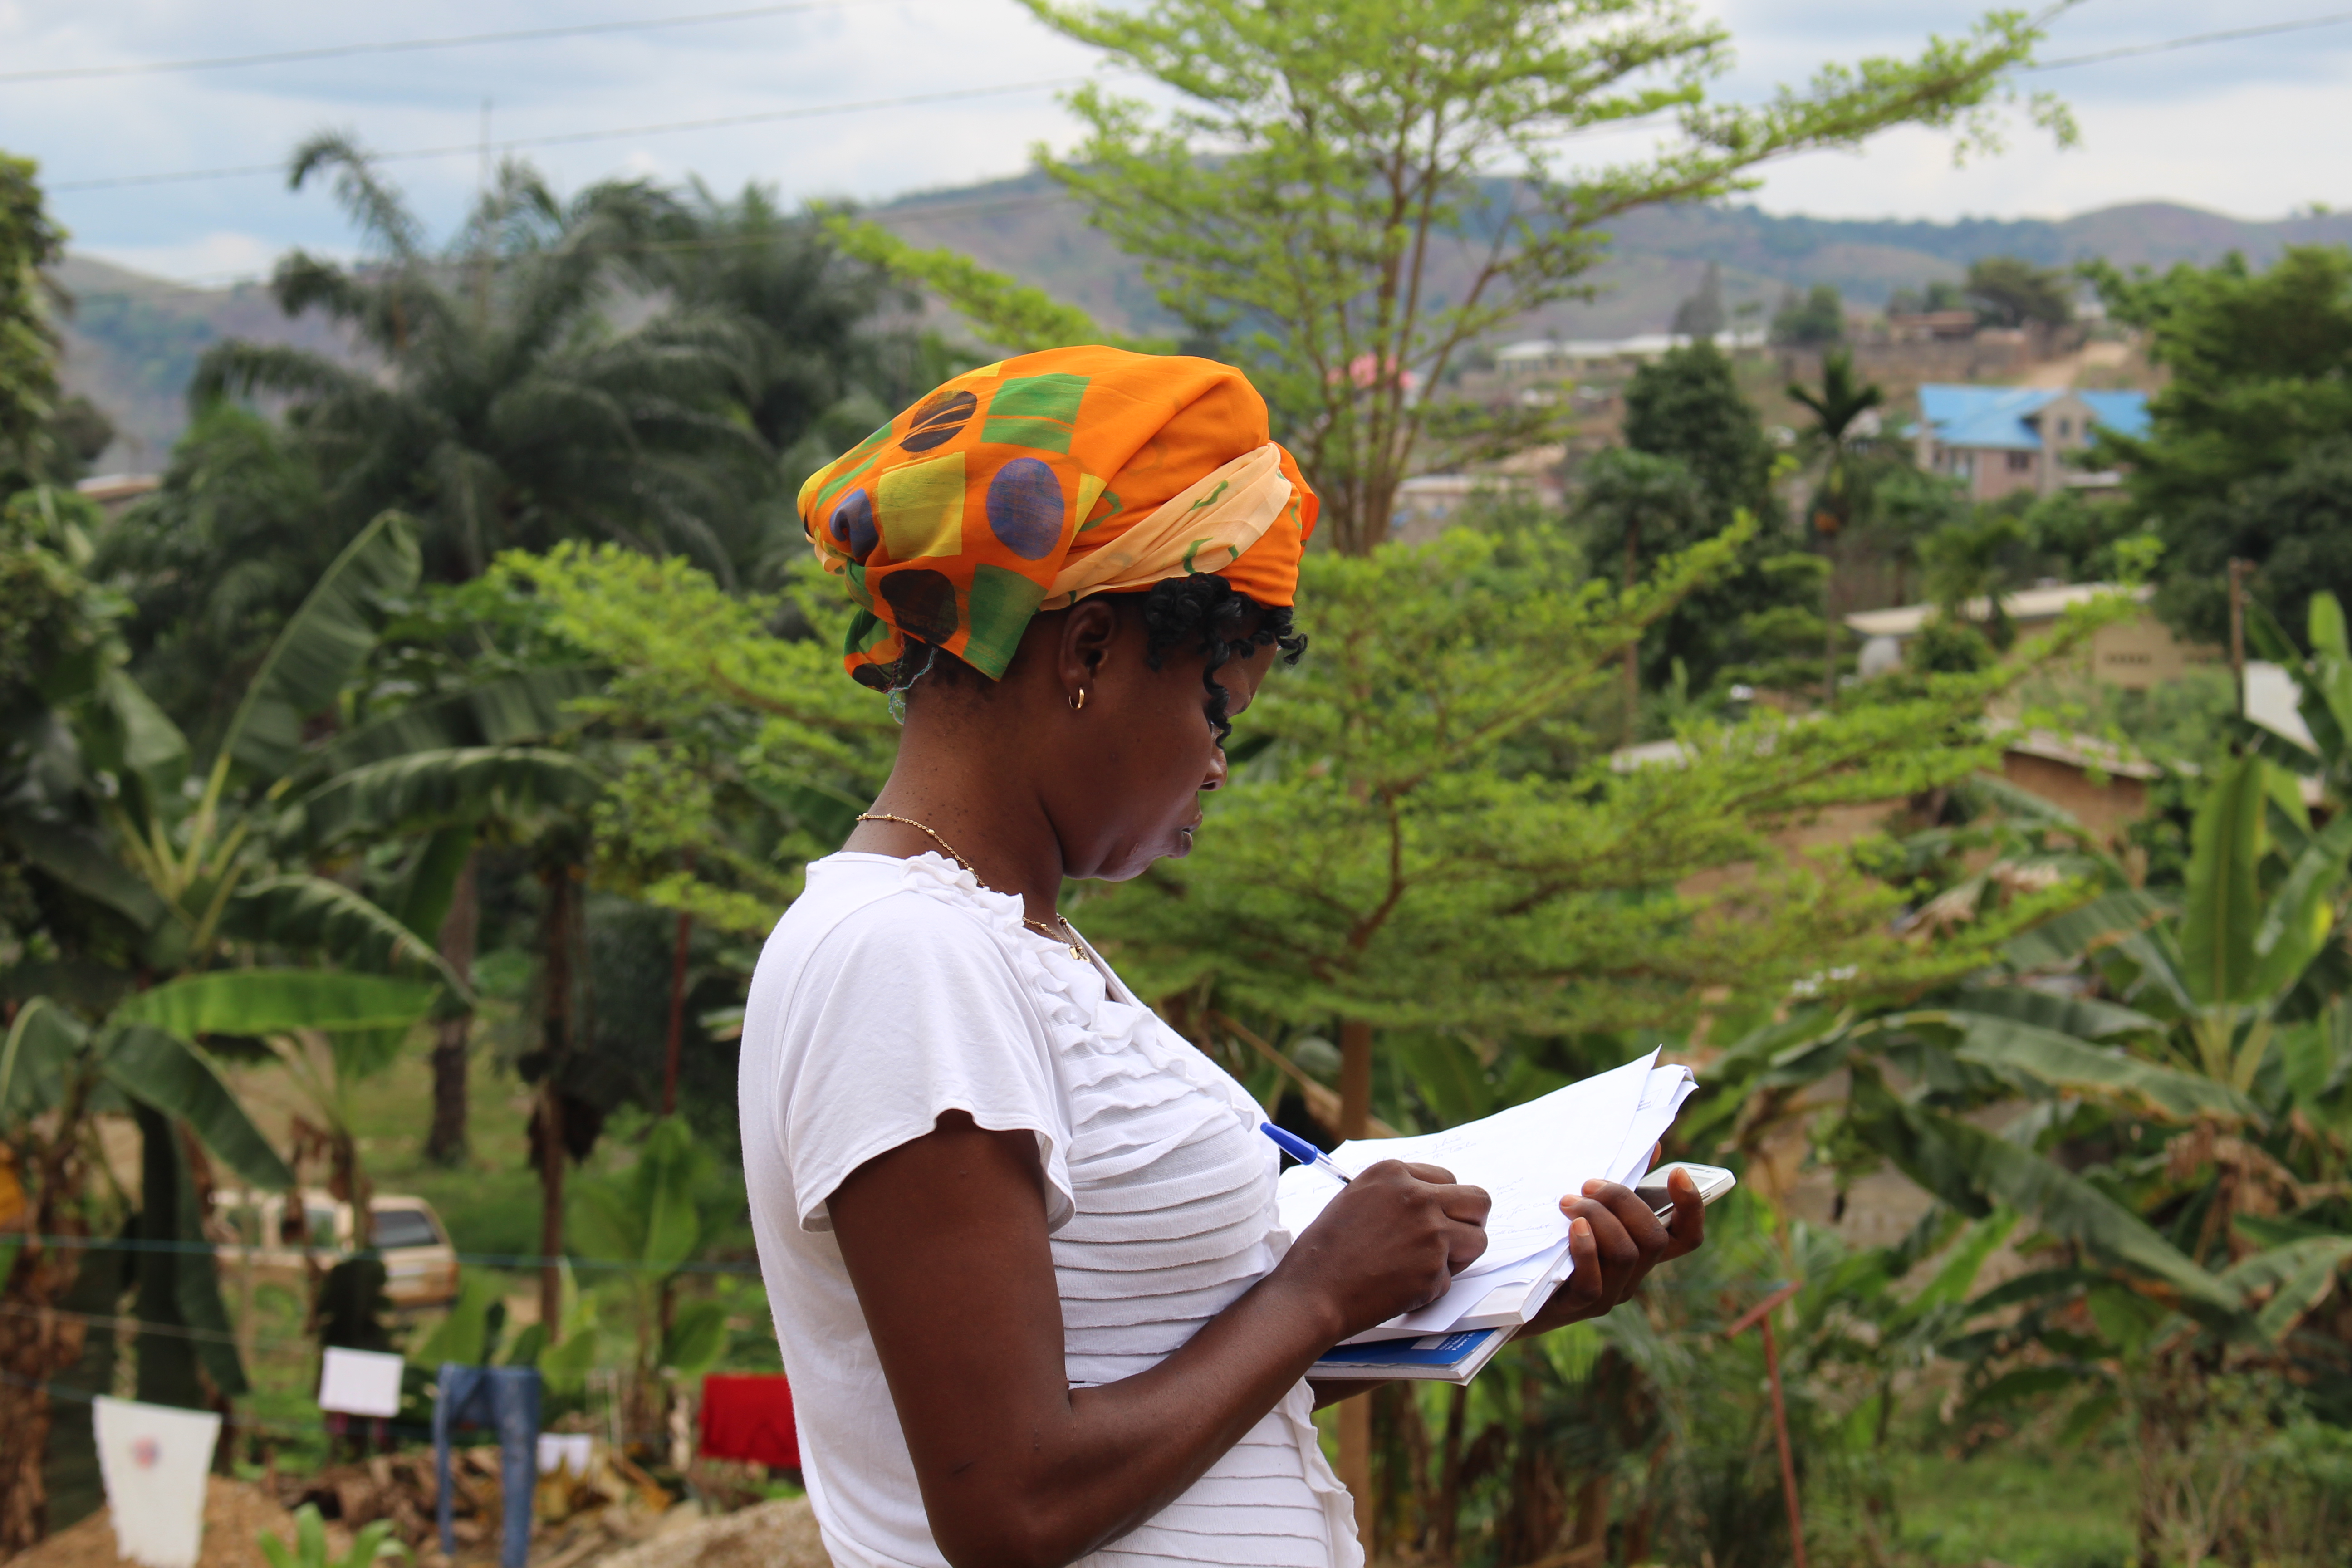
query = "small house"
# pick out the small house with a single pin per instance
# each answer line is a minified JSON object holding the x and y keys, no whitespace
{"x":1998,"y":440}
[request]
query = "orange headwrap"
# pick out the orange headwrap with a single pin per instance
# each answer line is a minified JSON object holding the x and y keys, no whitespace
{"x":1031,"y":483}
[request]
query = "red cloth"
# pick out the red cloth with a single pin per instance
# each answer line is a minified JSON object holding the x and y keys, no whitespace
{"x":749,"y":1417}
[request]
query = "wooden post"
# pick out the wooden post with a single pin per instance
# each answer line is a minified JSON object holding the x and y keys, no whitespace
{"x":1762,"y":1313}
{"x":2239,"y":570}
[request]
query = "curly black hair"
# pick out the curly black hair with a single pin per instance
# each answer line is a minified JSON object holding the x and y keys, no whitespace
{"x":1203,"y":610}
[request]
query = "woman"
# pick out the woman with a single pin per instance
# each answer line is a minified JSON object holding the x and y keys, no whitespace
{"x":1020,"y":1237}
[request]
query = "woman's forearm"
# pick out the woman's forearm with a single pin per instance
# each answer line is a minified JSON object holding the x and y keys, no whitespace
{"x":945,"y":1240}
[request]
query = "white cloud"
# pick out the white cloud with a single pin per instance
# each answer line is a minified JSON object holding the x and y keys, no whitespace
{"x":210,"y":259}
{"x":2251,"y":128}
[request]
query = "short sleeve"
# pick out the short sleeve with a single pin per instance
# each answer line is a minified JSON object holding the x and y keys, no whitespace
{"x":908,"y":1009}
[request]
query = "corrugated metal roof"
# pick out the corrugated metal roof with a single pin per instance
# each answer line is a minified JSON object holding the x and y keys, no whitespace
{"x":1995,"y":416}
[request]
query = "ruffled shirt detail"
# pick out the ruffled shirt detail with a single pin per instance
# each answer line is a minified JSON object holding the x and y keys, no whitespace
{"x":1173,"y":1219}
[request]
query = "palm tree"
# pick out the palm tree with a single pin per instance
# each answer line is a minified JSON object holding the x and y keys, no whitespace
{"x":511,"y":411}
{"x":1838,"y":440}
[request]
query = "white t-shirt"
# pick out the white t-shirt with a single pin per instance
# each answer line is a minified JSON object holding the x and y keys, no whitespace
{"x":895,"y":990}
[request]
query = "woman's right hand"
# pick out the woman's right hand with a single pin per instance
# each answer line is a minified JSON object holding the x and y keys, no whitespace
{"x":1391,"y":1241}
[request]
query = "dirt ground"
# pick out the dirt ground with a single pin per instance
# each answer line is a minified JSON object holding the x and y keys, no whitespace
{"x":236,"y":1515}
{"x":768,"y":1535}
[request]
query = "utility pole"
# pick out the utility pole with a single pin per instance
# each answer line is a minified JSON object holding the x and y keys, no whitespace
{"x":2239,"y":570}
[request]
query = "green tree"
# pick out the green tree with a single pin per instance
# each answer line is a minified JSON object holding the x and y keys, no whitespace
{"x":1810,"y":320}
{"x":2242,"y":450}
{"x":1941,"y":294}
{"x":2180,"y":1109}
{"x":512,"y":412}
{"x":217,"y":559}
{"x":1686,"y":408}
{"x":139,"y":898}
{"x":1687,"y":404}
{"x":1702,"y":315}
{"x":1640,"y":507}
{"x":1839,"y":440}
{"x":29,"y":241}
{"x":1353,"y":195}
{"x":2012,"y":292}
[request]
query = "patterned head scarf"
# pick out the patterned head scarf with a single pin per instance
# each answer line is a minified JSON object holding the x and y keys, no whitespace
{"x":1029,"y":484}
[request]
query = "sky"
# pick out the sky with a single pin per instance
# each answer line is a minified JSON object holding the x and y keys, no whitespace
{"x":873,"y":98}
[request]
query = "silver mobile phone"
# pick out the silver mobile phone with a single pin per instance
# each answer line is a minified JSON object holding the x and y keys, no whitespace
{"x":1713,"y":1181}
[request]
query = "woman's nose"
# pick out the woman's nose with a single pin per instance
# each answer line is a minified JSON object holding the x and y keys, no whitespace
{"x":1217,"y":770}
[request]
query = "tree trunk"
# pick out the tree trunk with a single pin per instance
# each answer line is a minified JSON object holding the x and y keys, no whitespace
{"x":1633,"y":648}
{"x":445,"y":1144}
{"x":1531,"y":1525}
{"x":34,"y":1344}
{"x":1356,"y":1414}
{"x":555,"y":1040}
{"x":551,"y":1209}
{"x":676,"y":1012}
{"x":1446,"y":1521}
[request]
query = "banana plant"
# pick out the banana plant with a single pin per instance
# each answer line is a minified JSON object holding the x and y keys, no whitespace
{"x":142,"y":1058}
{"x":2194,"y":1040}
{"x":651,"y":1221}
{"x":2322,"y":679}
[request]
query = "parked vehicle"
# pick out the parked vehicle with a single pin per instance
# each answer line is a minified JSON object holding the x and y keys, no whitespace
{"x":275,"y":1236}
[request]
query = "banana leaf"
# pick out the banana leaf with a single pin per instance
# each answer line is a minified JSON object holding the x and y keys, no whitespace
{"x":33,"y":1059}
{"x":2065,"y":1062}
{"x":312,"y":914}
{"x":2064,"y":938}
{"x":524,"y":706}
{"x":2301,"y":913}
{"x":77,"y":857}
{"x":2303,"y":1272}
{"x":2224,"y":905}
{"x":2084,"y":1016}
{"x":166,"y":1074}
{"x":1968,"y":1167}
{"x":324,"y":643}
{"x":279,"y":1001}
{"x":429,"y":790}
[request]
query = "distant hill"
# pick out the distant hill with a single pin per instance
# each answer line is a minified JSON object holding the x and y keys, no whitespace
{"x":1026,"y":227}
{"x":134,"y":341}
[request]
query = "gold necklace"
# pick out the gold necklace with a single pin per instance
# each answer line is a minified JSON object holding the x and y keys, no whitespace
{"x":1070,"y":935}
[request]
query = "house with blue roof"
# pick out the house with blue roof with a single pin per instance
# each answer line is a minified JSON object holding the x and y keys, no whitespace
{"x":1998,"y":440}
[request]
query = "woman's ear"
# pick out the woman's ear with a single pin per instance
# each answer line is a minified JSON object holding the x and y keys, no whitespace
{"x":1088,"y":633}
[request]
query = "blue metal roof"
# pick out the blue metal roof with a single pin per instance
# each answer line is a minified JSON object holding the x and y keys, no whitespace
{"x":1996,"y":416}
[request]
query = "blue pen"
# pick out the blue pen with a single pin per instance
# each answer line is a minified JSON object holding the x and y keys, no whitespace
{"x":1300,"y":1150}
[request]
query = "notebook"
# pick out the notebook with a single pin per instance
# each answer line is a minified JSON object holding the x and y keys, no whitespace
{"x":1528,"y":1157}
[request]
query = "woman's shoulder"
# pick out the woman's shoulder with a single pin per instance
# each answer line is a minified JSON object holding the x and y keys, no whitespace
{"x":909,"y":918}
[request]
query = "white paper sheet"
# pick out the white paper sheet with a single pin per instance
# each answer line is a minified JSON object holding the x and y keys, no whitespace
{"x":1544,"y":1154}
{"x":359,"y":1383}
{"x":1526,"y":1157}
{"x":154,"y":1459}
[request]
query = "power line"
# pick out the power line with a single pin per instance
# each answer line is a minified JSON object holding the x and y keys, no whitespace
{"x":2233,"y":35}
{"x":408,"y":45}
{"x":571,"y":137}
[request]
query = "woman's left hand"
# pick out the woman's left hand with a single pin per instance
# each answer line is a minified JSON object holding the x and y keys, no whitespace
{"x":1615,"y":1240}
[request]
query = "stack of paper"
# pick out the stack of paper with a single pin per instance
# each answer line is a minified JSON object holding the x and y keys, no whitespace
{"x":1528,"y":1158}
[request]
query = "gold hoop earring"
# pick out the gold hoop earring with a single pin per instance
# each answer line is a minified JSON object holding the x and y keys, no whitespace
{"x":1078,"y":703}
